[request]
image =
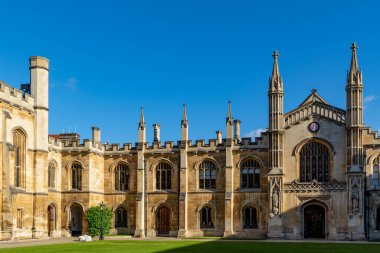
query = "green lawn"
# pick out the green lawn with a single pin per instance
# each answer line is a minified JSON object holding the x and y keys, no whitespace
{"x":185,"y":246}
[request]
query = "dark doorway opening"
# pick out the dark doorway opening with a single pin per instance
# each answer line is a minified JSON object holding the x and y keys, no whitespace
{"x":314,"y":221}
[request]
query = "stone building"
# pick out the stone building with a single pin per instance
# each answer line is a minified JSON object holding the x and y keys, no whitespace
{"x":313,"y":174}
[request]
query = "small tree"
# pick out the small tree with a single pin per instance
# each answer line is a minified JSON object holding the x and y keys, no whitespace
{"x":94,"y":216}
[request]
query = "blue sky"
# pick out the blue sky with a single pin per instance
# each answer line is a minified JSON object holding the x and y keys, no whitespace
{"x":108,"y":58}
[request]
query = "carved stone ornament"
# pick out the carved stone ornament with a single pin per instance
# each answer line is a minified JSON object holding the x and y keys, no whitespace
{"x":275,"y":195}
{"x":314,"y":186}
{"x":355,"y":195}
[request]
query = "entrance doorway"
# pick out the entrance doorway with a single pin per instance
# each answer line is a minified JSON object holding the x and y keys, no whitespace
{"x":163,"y":220}
{"x":51,"y":213}
{"x":76,"y":220}
{"x":314,"y":221}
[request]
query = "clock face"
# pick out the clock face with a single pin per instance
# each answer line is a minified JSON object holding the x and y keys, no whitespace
{"x":313,"y":127}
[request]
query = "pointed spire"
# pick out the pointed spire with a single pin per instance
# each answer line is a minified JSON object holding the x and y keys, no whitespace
{"x":184,"y":117}
{"x":275,"y":81}
{"x":354,"y":74}
{"x":276,"y":70}
{"x":229,"y":119}
{"x":142,"y":121}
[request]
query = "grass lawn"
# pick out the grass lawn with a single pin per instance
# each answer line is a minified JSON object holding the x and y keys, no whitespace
{"x":185,"y":246}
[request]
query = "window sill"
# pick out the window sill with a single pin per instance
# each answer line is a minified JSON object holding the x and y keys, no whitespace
{"x":52,"y":190}
{"x":75,"y":190}
{"x":249,"y":190}
{"x":207,"y":229}
{"x":121,"y":192}
{"x":163,"y":191}
{"x":207,"y":190}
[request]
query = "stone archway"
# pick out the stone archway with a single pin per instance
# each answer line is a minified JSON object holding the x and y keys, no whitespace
{"x":76,"y":219}
{"x":314,"y":221}
{"x":52,"y":220}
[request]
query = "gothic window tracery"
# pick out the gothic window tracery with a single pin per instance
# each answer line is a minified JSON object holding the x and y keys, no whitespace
{"x":314,"y":162}
{"x":76,"y":176}
{"x":250,"y":217}
{"x":250,"y":174}
{"x":163,"y":176}
{"x":206,"y":217}
{"x":51,"y":175}
{"x":121,"y":217}
{"x":121,"y":177}
{"x":19,"y":143}
{"x":207,"y":175}
{"x":375,"y":173}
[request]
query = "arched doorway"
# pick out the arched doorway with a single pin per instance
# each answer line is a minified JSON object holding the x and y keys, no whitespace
{"x":314,"y":221}
{"x":76,"y":216}
{"x":163,"y":221}
{"x":51,"y":213}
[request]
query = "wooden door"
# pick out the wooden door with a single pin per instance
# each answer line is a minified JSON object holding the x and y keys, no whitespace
{"x":314,"y":221}
{"x":163,"y":221}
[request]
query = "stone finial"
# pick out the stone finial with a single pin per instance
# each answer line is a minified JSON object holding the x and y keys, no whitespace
{"x":184,"y":122}
{"x":142,"y":121}
{"x":354,"y":74}
{"x":275,"y":81}
{"x":229,"y":119}
{"x":38,"y":62}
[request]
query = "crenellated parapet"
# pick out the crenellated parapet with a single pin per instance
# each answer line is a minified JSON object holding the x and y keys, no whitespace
{"x":16,"y":98}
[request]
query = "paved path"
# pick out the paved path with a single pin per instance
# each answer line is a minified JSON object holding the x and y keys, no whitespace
{"x":50,"y":241}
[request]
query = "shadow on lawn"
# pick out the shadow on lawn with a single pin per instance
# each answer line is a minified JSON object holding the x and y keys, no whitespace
{"x":224,"y":246}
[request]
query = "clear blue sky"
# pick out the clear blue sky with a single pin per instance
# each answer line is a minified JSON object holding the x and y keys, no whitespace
{"x":108,"y":58}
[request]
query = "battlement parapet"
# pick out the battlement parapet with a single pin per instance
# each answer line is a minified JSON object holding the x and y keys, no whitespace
{"x":16,"y":97}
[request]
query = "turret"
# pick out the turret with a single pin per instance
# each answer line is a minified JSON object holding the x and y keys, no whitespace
{"x":39,"y":87}
{"x":354,"y":114}
{"x":237,"y":129}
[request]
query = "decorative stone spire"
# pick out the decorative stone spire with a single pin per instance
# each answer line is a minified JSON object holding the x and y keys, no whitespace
{"x":142,"y":134}
{"x":142,"y":121}
{"x":275,"y":81}
{"x":184,"y":121}
{"x":354,"y":75}
{"x":229,"y":119}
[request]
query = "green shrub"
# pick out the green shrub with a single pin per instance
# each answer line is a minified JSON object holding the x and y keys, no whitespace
{"x":94,"y":216}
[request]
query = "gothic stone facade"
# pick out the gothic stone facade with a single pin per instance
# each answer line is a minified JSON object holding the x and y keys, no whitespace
{"x":313,"y":173}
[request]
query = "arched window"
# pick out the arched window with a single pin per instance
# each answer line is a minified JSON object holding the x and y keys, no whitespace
{"x":206,"y":217}
{"x":51,"y":176}
{"x":76,"y":176}
{"x":375,"y":175}
{"x":250,"y":174}
{"x":19,"y":141}
{"x":314,"y":162}
{"x":163,"y":176}
{"x":207,"y":175}
{"x":250,"y":217}
{"x":121,"y":217}
{"x":121,"y":177}
{"x":378,"y":219}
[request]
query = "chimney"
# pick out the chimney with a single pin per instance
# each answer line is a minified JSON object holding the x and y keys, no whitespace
{"x":156,"y":132}
{"x":237,"y":129}
{"x":219,"y":136}
{"x":95,"y":135}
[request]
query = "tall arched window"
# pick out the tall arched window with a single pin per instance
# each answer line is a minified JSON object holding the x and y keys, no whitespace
{"x":121,"y":217}
{"x":206,"y":217}
{"x":19,"y":143}
{"x":375,"y":173}
{"x":250,"y":217}
{"x":250,"y":174}
{"x":207,"y":175}
{"x":121,"y":177}
{"x":163,"y":176}
{"x":314,"y":162}
{"x":51,"y":176}
{"x":76,"y":176}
